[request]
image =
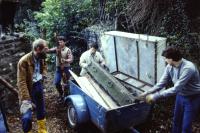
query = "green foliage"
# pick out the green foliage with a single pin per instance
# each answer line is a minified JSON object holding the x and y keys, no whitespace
{"x":177,"y":29}
{"x":64,"y":16}
{"x":115,"y":6}
{"x":29,"y":27}
{"x":31,"y":30}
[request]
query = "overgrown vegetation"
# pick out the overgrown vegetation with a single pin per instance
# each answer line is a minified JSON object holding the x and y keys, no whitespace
{"x":172,"y":19}
{"x":65,"y":16}
{"x":70,"y":16}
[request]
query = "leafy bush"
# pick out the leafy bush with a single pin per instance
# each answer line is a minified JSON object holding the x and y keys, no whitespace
{"x":65,"y":16}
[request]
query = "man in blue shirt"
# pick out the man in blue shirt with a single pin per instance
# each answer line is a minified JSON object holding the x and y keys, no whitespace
{"x":186,"y":80}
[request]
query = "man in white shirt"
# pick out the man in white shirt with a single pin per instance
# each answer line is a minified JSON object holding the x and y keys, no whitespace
{"x":87,"y":56}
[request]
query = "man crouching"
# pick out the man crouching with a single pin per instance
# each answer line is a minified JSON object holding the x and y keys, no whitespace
{"x":31,"y":70}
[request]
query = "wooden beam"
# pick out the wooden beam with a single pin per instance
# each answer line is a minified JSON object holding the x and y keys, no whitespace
{"x":8,"y":86}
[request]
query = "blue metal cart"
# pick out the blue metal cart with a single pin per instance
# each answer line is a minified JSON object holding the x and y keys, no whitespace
{"x":83,"y":104}
{"x":82,"y":108}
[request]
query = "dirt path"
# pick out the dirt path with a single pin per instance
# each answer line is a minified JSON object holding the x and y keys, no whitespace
{"x":56,"y":116}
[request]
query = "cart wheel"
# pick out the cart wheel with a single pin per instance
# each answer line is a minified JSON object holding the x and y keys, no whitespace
{"x":77,"y":112}
{"x":72,"y":115}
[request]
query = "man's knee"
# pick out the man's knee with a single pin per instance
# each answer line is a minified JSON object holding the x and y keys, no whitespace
{"x":26,"y":117}
{"x":27,"y":121}
{"x":26,"y":124}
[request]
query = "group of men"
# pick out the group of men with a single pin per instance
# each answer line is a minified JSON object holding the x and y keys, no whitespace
{"x":32,"y":72}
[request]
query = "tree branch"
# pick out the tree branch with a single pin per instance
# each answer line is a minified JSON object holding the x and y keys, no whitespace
{"x":8,"y":85}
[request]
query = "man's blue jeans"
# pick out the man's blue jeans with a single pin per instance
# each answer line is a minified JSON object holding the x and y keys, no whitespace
{"x":38,"y":100}
{"x":186,"y":109}
{"x":58,"y":77}
{"x":2,"y":124}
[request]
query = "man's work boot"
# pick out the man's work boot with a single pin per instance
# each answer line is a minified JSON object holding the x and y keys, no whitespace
{"x":42,"y":126}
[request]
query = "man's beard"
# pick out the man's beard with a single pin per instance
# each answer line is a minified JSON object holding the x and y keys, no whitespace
{"x":42,"y":55}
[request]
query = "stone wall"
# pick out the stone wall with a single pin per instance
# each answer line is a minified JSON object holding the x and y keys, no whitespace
{"x":11,"y":50}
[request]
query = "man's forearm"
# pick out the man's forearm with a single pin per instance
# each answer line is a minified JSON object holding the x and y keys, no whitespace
{"x":52,"y":50}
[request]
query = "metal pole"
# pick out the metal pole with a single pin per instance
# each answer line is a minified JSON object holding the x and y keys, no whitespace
{"x":115,"y":46}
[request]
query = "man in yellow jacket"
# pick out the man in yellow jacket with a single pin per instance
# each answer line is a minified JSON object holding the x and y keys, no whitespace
{"x":31,"y":70}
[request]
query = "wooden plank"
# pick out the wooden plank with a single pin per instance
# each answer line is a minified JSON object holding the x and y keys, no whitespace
{"x":87,"y":88}
{"x":80,"y":83}
{"x":110,"y":84}
{"x":92,"y":91}
{"x":103,"y":94}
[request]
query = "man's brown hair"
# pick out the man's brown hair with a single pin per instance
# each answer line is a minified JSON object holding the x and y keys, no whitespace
{"x":173,"y":53}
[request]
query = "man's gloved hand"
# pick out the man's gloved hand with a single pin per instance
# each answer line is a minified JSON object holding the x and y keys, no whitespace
{"x":151,"y":98}
{"x":25,"y":106}
{"x":143,"y":95}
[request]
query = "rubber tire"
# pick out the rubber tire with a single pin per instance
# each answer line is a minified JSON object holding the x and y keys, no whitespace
{"x":72,"y":115}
